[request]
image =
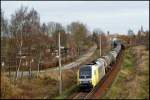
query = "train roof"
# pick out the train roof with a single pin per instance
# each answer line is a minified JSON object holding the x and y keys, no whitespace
{"x":92,"y":62}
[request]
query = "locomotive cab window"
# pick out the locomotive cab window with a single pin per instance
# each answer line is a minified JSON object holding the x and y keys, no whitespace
{"x":85,"y":72}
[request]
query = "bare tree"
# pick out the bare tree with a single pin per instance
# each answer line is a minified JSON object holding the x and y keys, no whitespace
{"x":5,"y":44}
{"x":3,"y":41}
{"x":44,"y":29}
{"x":79,"y":34}
{"x":53,"y":29}
{"x":34,"y":31}
{"x":17,"y":24}
{"x":96,"y":33}
{"x":24,"y":27}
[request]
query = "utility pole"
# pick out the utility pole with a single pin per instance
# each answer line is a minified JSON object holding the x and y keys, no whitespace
{"x":60,"y":74}
{"x":110,"y":39}
{"x":100,"y":44}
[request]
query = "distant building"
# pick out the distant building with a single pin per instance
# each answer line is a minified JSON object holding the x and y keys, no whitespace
{"x":142,"y":29}
{"x":130,"y":32}
{"x":142,"y":33}
{"x":108,"y":33}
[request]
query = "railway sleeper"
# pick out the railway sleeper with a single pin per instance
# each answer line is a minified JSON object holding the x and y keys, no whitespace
{"x":86,"y":87}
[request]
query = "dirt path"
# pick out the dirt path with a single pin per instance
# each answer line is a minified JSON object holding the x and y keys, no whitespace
{"x":64,"y":67}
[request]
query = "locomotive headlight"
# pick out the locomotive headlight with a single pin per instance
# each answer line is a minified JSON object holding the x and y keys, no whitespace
{"x":90,"y":81}
{"x":81,"y":82}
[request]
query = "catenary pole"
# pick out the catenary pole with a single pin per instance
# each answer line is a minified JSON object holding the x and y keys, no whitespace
{"x":60,"y":74}
{"x":100,"y":44}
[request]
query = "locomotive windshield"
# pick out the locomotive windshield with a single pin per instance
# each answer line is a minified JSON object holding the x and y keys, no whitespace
{"x":85,"y":72}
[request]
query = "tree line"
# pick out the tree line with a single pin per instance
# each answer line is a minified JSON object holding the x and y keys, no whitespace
{"x":26,"y":42}
{"x":141,"y":38}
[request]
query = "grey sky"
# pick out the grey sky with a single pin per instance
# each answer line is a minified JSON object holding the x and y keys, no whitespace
{"x":115,"y":16}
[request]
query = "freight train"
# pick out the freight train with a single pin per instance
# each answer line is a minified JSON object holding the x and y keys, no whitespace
{"x":90,"y":74}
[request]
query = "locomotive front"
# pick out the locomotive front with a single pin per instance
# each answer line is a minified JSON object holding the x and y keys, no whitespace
{"x":85,"y":77}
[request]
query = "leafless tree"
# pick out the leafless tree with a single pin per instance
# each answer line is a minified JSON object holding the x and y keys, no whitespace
{"x":18,"y":21}
{"x":35,"y":30}
{"x":3,"y":41}
{"x":5,"y":44}
{"x":24,"y":27}
{"x":79,"y":33}
{"x":53,"y":29}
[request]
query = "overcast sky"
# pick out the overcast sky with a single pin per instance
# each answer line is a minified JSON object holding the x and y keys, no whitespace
{"x":115,"y":16}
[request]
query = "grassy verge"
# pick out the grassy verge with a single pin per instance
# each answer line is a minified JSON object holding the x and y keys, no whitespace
{"x":132,"y":82}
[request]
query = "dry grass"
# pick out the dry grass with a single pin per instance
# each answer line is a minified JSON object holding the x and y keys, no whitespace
{"x":133,"y":80}
{"x":46,"y":86}
{"x":8,"y":90}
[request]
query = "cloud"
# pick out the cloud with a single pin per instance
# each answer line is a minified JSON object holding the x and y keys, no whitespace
{"x":116,"y":16}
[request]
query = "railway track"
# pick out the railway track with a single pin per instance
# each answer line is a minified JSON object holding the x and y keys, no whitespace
{"x":102,"y":86}
{"x":80,"y":95}
{"x":107,"y":80}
